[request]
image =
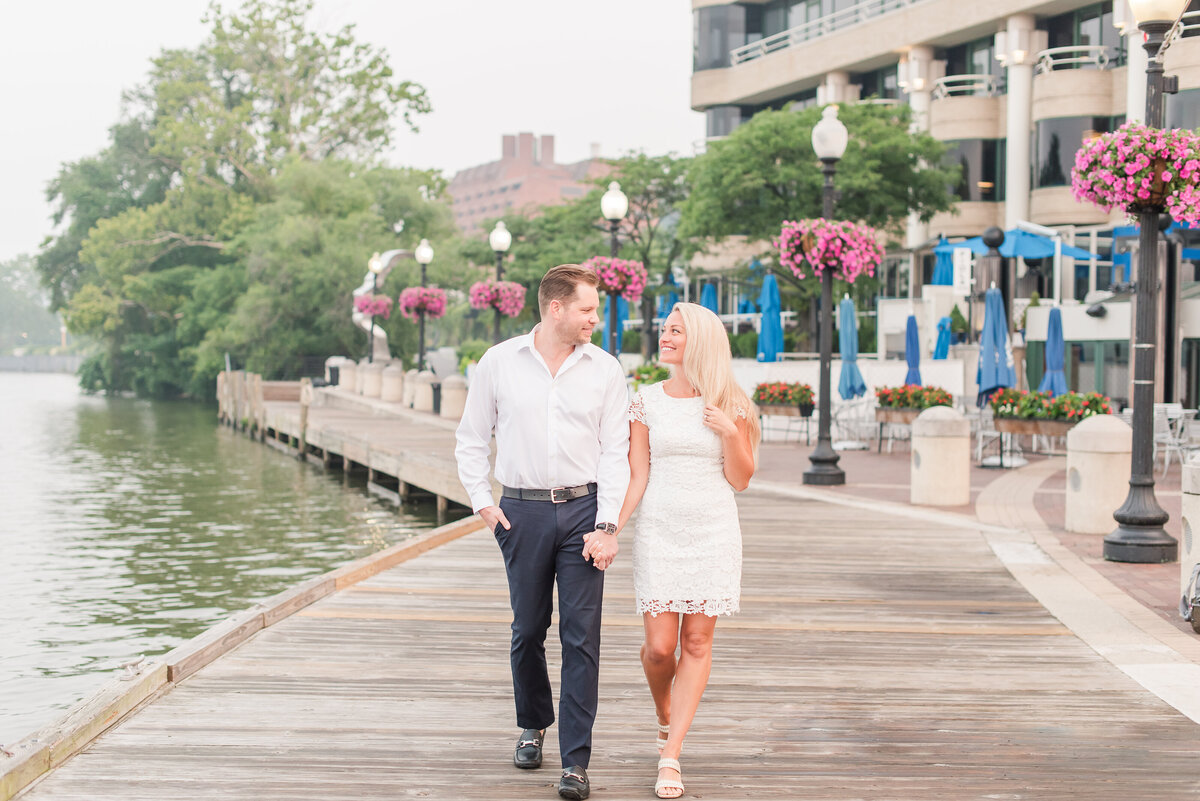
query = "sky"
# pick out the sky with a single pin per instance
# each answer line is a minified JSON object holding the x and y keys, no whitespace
{"x":616,"y":74}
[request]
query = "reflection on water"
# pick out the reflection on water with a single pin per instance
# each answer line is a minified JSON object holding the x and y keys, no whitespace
{"x":129,"y":526}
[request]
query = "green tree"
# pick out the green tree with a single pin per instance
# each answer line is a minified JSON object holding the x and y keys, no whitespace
{"x":25,"y":318}
{"x":166,"y":241}
{"x":765,"y":172}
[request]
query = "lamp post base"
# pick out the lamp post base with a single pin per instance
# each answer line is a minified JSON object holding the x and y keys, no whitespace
{"x":824,"y":471}
{"x":1143,"y":545}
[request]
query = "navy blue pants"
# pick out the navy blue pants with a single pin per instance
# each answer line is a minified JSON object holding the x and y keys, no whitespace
{"x":545,"y":544}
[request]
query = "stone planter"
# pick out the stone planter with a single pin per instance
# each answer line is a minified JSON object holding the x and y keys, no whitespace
{"x":1047,"y":428}
{"x":901,"y":416}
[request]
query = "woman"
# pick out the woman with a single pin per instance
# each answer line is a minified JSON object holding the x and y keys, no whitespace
{"x":693,"y":443}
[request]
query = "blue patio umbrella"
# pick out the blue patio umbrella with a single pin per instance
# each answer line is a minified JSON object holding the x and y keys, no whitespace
{"x":1054,"y":381}
{"x":708,"y":298}
{"x":850,"y":382}
{"x":995,"y":359}
{"x":1023,"y":244}
{"x":770,"y":332}
{"x":943,"y":265}
{"x":668,"y":299}
{"x":941,"y":349}
{"x":622,"y":316}
{"x":912,"y":353}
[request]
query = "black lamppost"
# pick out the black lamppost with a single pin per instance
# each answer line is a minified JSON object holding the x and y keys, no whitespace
{"x":500,"y":240}
{"x":1140,"y":536}
{"x":829,"y":139}
{"x":375,"y":265}
{"x":423,"y":254}
{"x":613,"y":205}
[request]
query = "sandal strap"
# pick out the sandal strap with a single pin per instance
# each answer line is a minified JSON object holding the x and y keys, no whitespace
{"x":665,"y":728}
{"x":673,"y":764}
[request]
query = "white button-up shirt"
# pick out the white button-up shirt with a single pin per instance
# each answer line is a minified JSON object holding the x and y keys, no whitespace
{"x":551,"y":430}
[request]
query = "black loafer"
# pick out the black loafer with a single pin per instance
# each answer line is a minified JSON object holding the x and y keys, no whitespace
{"x":574,"y":784}
{"x":529,"y":749}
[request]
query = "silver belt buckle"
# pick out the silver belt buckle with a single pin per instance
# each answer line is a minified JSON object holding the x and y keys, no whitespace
{"x":554,"y":495}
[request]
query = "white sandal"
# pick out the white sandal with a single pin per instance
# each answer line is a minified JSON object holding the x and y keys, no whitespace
{"x":669,"y":784}
{"x":663,"y":732}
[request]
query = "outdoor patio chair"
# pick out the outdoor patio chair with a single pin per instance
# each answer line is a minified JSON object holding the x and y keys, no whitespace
{"x":1171,"y":434}
{"x":854,"y":422}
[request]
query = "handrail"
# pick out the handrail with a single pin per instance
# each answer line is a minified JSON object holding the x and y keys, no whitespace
{"x":822,"y":26}
{"x":1058,"y":57}
{"x":964,"y":85}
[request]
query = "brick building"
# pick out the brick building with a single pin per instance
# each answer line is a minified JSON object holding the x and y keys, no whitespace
{"x":525,"y":177}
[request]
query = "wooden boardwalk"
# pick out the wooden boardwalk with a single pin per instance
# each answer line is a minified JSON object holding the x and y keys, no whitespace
{"x":876,"y":657}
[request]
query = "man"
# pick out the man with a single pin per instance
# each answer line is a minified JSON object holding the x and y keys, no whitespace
{"x":557,"y":405}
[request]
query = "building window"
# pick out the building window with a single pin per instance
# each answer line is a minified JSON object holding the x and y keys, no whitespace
{"x":716,"y":31}
{"x":1089,"y":26}
{"x":977,"y":57}
{"x":1183,"y":109}
{"x":721,"y":120}
{"x":982,"y":165}
{"x":882,"y":83}
{"x":1056,"y":142}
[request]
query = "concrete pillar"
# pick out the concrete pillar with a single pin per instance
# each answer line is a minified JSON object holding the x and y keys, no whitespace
{"x":334,"y":361}
{"x":392,"y":389}
{"x":410,"y":388}
{"x":1136,"y":61}
{"x":1189,"y":544}
{"x":454,"y":396}
{"x":1098,"y":452}
{"x":919,"y":72}
{"x":423,"y":391}
{"x":837,"y":89}
{"x":941,"y":458}
{"x":1019,"y":61}
{"x":361,"y":374}
{"x":348,"y":376}
{"x":372,"y":380}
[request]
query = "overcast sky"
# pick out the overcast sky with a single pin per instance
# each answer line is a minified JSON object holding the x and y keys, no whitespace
{"x":615,"y":73}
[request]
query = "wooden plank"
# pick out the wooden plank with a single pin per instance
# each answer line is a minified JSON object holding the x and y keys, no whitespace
{"x":23,"y":768}
{"x":288,"y":602}
{"x":401,"y":552}
{"x":102,"y":711}
{"x":220,"y":639}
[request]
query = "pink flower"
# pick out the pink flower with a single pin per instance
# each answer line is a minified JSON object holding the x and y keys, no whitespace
{"x":416,"y":298}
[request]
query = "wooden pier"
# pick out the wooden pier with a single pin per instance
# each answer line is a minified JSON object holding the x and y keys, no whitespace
{"x":877,"y":656}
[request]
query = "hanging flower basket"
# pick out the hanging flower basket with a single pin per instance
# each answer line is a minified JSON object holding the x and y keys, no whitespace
{"x":849,"y":249}
{"x":1141,"y":169}
{"x":507,"y":296}
{"x":417,"y":298}
{"x":619,"y":276}
{"x":374,"y":305}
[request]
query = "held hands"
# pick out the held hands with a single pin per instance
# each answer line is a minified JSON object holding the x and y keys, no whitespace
{"x":600,"y":547}
{"x":719,"y":422}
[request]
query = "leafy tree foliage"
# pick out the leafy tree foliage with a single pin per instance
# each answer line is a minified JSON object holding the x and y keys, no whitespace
{"x":236,"y":205}
{"x":25,"y":320}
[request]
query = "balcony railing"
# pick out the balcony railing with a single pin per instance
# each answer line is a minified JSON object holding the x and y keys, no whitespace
{"x":1061,"y":58}
{"x":814,"y":29}
{"x":974,"y":85}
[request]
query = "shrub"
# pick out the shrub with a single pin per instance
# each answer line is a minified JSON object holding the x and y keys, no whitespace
{"x":471,"y":351}
{"x":781,"y":393}
{"x":911,"y":396}
{"x":650,"y":373}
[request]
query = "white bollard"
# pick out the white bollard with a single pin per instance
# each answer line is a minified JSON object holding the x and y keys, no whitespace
{"x":423,"y":391}
{"x":1098,"y":451}
{"x":1189,"y":547}
{"x":348,"y":376}
{"x":392,"y":389}
{"x":941,"y":458}
{"x":372,"y":380}
{"x":454,"y":396}
{"x":331,"y":363}
{"x":410,"y":388}
{"x":362,"y":373}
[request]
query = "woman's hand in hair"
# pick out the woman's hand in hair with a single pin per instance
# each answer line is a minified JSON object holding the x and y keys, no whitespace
{"x":719,"y":422}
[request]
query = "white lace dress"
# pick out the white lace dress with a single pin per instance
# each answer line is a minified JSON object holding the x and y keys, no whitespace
{"x":687,"y":545}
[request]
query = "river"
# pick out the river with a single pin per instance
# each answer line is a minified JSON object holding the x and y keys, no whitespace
{"x":129,"y":526}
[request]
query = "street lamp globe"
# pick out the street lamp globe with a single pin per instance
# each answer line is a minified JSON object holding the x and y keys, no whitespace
{"x":614,"y":204}
{"x":829,"y":136}
{"x":500,"y":239}
{"x":375,"y":264}
{"x":424,"y":252}
{"x":1156,"y":11}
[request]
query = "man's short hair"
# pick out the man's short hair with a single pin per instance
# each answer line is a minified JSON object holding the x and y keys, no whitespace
{"x":559,"y":284}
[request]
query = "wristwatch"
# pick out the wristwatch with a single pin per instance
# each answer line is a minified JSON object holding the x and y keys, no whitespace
{"x":610,"y":528}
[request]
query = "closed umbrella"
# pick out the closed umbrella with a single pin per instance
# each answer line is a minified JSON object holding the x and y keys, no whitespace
{"x":850,"y":382}
{"x":912,"y":353}
{"x":995,"y":359}
{"x":943,"y":265}
{"x":770,"y":332}
{"x":941,"y":349}
{"x":708,"y":298}
{"x":622,"y":316}
{"x":668,"y":299}
{"x":1054,"y":381}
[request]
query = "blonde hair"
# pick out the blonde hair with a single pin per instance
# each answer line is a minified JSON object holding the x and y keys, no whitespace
{"x":708,"y":365}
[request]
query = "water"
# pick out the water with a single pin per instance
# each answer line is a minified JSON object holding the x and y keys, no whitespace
{"x":127,"y":527}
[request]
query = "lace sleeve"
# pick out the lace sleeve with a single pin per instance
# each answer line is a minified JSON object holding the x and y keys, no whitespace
{"x":637,"y":410}
{"x":741,"y":413}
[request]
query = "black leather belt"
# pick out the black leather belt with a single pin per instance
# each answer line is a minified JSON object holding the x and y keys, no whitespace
{"x":556,"y":495}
